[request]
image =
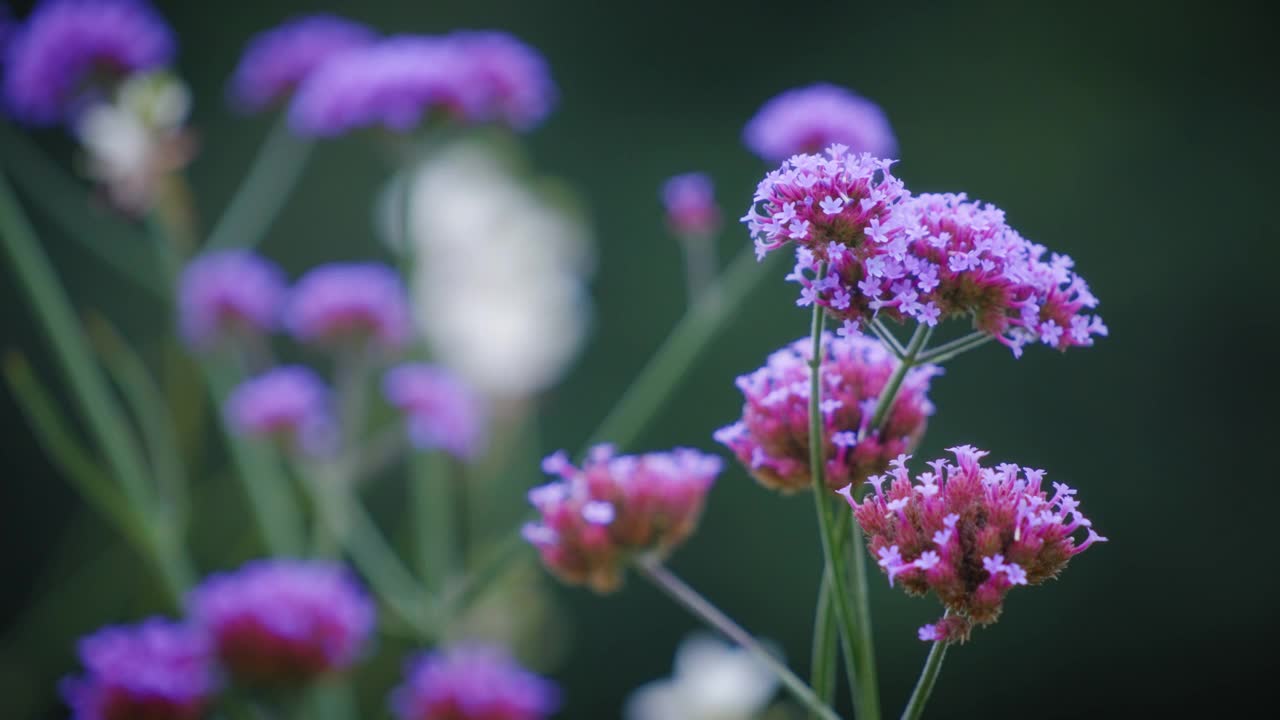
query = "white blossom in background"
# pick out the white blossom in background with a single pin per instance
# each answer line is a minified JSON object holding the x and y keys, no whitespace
{"x":712,"y":681}
{"x":137,"y":138}
{"x":499,"y":272}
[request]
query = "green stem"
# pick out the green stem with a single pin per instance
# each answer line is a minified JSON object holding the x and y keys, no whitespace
{"x":822,"y":671}
{"x":890,"y":392}
{"x":432,"y":523}
{"x":866,"y":698}
{"x":687,"y":597}
{"x":947,"y":351}
{"x":924,"y":686}
{"x":695,"y":331}
{"x":887,"y":337}
{"x":264,"y":191}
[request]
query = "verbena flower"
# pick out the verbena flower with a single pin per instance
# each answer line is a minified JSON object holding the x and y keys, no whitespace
{"x":55,"y":61}
{"x":691,"y":205}
{"x":808,"y":119}
{"x":472,"y":682}
{"x":712,"y":681}
{"x":772,"y":438}
{"x":156,"y":669}
{"x":284,"y":621}
{"x":8,"y":26}
{"x":228,"y":293}
{"x":289,"y":404}
{"x":594,"y":518}
{"x":401,"y":82}
{"x":442,"y":412}
{"x":350,"y":302}
{"x":277,"y":60}
{"x":969,"y":534}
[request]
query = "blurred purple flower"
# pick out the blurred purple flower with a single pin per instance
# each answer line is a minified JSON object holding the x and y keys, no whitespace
{"x":472,"y":682}
{"x":808,"y":119}
{"x":401,"y":82}
{"x":342,"y":302}
{"x":156,"y":669}
{"x":289,"y":404}
{"x":284,"y":621}
{"x":691,"y":205}
{"x":66,"y":44}
{"x":227,"y":293}
{"x":442,"y":412}
{"x":277,"y":60}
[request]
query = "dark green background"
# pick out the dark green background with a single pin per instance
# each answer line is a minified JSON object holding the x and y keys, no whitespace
{"x":1137,"y":137}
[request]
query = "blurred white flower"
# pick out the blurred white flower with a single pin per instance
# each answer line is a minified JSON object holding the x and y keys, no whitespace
{"x":136,"y":139}
{"x":712,"y":681}
{"x":499,"y":272}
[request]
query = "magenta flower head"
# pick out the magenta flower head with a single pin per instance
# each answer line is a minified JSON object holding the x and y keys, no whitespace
{"x":277,"y":60}
{"x":472,"y":682}
{"x":442,"y":412}
{"x":808,"y":119}
{"x":350,"y":302}
{"x":772,"y":438}
{"x":969,"y":534}
{"x":964,"y":260}
{"x":284,"y":621}
{"x":66,"y":46}
{"x":289,"y":404}
{"x":691,"y":205}
{"x":401,"y":82}
{"x":594,"y":518}
{"x":156,"y":669}
{"x":228,"y":293}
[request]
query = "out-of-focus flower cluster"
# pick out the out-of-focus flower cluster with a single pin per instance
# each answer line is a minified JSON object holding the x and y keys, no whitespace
{"x":441,"y":412}
{"x":593,"y":519}
{"x":472,"y":682}
{"x":969,"y":534}
{"x":691,"y":205}
{"x":865,"y":246}
{"x":278,"y":60}
{"x":772,"y":438}
{"x":808,"y":119}
{"x":499,"y":272}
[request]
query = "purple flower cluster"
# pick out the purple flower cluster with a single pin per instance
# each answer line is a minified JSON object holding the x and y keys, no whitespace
{"x":772,"y":438}
{"x":227,"y":294}
{"x":67,"y":44}
{"x":400,"y":82}
{"x":346,"y":302}
{"x":472,"y":682}
{"x":593,"y":518}
{"x":289,"y":404}
{"x":691,"y":205}
{"x":284,"y":621}
{"x":969,"y":534}
{"x":155,"y":669}
{"x":442,"y":412}
{"x":808,"y":119}
{"x":864,"y":246}
{"x":278,"y":60}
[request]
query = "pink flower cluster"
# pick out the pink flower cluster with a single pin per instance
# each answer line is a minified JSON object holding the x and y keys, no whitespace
{"x":864,"y":246}
{"x":969,"y":533}
{"x":345,"y":302}
{"x":772,"y":438}
{"x":594,"y":518}
{"x":691,"y":205}
{"x":472,"y":682}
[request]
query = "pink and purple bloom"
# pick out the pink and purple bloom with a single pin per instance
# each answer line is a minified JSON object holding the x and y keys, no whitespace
{"x":772,"y":438}
{"x":593,"y":518}
{"x":284,"y":621}
{"x":472,"y":682}
{"x":808,"y":119}
{"x":350,"y":302}
{"x":57,"y":58}
{"x":691,"y":205}
{"x":969,"y":534}
{"x":442,"y":413}
{"x":278,"y":60}
{"x":156,"y":669}
{"x":403,"y":81}
{"x":227,"y":294}
{"x":288,"y":404}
